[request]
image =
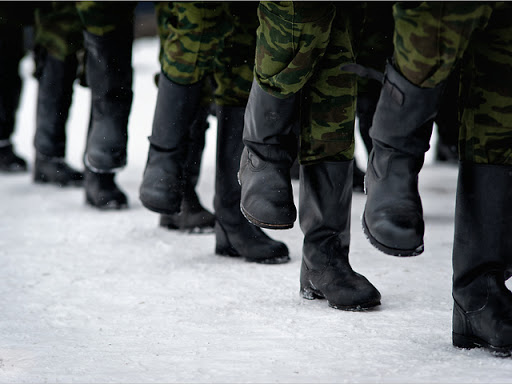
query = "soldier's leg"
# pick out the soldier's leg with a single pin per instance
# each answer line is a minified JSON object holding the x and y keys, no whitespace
{"x":108,"y":39}
{"x":193,"y":36}
{"x":402,"y":125}
{"x":482,"y":249}
{"x":291,"y":40}
{"x":11,"y":52}
{"x":326,"y":178}
{"x":234,"y":235}
{"x":58,"y":38}
{"x":192,"y":216}
{"x":373,"y":48}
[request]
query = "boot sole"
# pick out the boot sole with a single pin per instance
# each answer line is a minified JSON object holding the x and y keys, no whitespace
{"x":38,"y":179}
{"x":109,"y":206}
{"x":312,"y":294}
{"x":227,"y":250}
{"x":470,"y":342}
{"x":232,"y":252}
{"x":191,"y":230}
{"x":261,"y":224}
{"x":14,"y":169}
{"x":390,"y":251}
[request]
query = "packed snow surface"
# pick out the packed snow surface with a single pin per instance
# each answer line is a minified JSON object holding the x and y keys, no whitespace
{"x":103,"y":297}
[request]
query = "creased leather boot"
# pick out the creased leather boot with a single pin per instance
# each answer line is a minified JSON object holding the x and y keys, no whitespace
{"x":482,"y":310}
{"x":324,"y":215}
{"x":401,"y":130}
{"x":234,"y":235}
{"x":163,"y":181}
{"x":269,"y":153}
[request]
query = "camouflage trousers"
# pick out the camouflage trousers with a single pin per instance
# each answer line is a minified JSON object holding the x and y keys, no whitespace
{"x":202,"y":39}
{"x":300,"y":48}
{"x":58,"y":28}
{"x":432,"y":37}
{"x":102,"y":17}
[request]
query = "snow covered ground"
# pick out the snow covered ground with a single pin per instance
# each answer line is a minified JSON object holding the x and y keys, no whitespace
{"x":92,"y":296}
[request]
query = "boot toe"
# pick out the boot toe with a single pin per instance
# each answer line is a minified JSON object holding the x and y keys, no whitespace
{"x":269,"y":214}
{"x":394,"y":232}
{"x":353,"y":294}
{"x":266,"y":193}
{"x":274,"y":252}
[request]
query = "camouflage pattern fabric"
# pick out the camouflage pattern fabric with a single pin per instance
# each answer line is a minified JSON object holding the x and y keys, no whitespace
{"x":162,"y":13}
{"x":102,"y":17}
{"x":210,"y":38}
{"x":430,"y":38}
{"x":58,"y":28}
{"x":300,"y":48}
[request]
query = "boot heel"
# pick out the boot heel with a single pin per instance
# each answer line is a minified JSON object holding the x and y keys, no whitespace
{"x":222,"y":245}
{"x":308,"y":293}
{"x":40,"y":178}
{"x":461,"y":341}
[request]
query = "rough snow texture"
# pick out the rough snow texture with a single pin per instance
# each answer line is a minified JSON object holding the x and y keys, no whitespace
{"x":92,"y":296}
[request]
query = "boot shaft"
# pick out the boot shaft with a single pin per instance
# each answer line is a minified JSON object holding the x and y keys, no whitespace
{"x":109,"y":64}
{"x":483,"y":223}
{"x":54,"y":97}
{"x":196,"y":143}
{"x":271,"y":126}
{"x":175,"y":111}
{"x":404,"y":113}
{"x":229,"y":149}
{"x":325,"y":202}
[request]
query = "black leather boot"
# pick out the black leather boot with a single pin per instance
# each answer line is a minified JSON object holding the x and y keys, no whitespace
{"x":324,"y":216}
{"x":53,"y":102}
{"x":482,"y":312}
{"x":401,"y":130}
{"x":270,"y":150}
{"x":102,"y":192}
{"x":109,"y":76}
{"x":9,"y":161}
{"x":54,"y":170}
{"x":193,"y":217}
{"x":163,"y":182}
{"x":11,"y":52}
{"x":234,"y":235}
{"x":365,"y":110}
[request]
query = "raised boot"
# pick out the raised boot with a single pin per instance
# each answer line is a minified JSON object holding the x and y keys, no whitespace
{"x":270,"y":150}
{"x":163,"y":181}
{"x":325,"y":202}
{"x":234,"y":235}
{"x":401,"y":130}
{"x":193,"y":217}
{"x":109,"y":76}
{"x":482,"y":311}
{"x":53,"y":102}
{"x":102,"y":192}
